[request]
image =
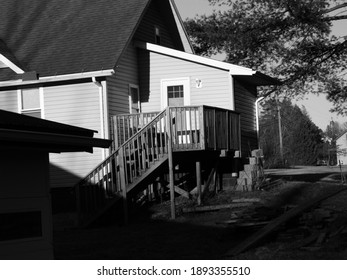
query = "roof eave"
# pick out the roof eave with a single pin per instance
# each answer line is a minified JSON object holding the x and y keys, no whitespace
{"x":54,"y":140}
{"x":184,"y":35}
{"x":257,"y":78}
{"x":58,"y":78}
{"x":11,"y":64}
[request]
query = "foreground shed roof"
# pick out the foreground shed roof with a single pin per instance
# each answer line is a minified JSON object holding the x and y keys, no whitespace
{"x":28,"y":132}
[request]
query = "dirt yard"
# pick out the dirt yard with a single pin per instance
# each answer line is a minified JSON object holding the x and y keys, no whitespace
{"x":225,"y":222}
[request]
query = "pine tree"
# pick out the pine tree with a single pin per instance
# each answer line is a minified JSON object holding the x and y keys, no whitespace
{"x":302,"y":139}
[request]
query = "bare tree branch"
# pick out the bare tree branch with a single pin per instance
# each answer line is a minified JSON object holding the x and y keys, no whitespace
{"x":334,"y":18}
{"x":337,"y":7}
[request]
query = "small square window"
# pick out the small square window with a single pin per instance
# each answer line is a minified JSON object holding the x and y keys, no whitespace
{"x":30,"y":102}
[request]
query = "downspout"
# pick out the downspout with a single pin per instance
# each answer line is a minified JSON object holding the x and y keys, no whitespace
{"x":257,"y":117}
{"x":103,"y":111}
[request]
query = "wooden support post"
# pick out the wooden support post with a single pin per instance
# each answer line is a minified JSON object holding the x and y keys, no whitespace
{"x":78,"y":201}
{"x":171,"y":166}
{"x":123,"y":185}
{"x":198,"y":180}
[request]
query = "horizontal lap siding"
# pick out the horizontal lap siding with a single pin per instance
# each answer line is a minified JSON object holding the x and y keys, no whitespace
{"x":9,"y":101}
{"x":77,"y":105}
{"x":215,"y":89}
{"x":126,"y":73}
{"x":245,"y":97}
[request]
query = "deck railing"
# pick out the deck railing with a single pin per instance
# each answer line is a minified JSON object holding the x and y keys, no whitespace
{"x":221,"y":129}
{"x":193,"y":128}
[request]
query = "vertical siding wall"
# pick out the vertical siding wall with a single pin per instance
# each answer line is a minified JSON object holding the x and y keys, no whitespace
{"x":9,"y":101}
{"x":245,"y":97}
{"x":77,"y":105}
{"x":215,"y":89}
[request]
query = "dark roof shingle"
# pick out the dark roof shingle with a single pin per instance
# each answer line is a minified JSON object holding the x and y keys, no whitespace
{"x":54,"y":37}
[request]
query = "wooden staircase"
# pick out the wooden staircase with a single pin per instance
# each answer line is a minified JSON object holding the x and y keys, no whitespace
{"x":143,"y":150}
{"x":128,"y":166}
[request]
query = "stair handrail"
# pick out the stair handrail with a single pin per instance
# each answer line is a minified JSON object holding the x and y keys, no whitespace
{"x":122,"y":145}
{"x":109,"y":176}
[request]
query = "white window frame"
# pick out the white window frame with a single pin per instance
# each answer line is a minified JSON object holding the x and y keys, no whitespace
{"x":19,"y":97}
{"x":185,"y":81}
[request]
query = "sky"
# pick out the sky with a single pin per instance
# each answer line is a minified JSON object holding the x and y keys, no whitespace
{"x":317,"y":106}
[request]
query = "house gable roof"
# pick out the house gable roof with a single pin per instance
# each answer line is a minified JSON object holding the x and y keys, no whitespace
{"x":54,"y":37}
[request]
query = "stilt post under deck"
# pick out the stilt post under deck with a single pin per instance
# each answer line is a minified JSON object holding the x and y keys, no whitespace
{"x":123,"y":185}
{"x":198,"y":180}
{"x":171,"y":167}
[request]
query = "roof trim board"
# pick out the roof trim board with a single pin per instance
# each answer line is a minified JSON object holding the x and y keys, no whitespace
{"x":10,"y":64}
{"x":181,"y":29}
{"x":232,"y":68}
{"x":59,"y":78}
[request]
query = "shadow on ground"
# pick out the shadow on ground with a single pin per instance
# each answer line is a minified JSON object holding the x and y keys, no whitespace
{"x":307,"y":177}
{"x":145,"y":240}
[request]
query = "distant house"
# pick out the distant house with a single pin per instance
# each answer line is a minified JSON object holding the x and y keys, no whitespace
{"x":25,"y":204}
{"x":83,"y":63}
{"x":341,"y":149}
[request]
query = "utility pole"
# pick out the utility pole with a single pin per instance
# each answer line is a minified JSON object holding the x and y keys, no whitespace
{"x":280,"y":131}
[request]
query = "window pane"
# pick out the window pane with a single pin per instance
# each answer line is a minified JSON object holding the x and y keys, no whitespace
{"x":135,"y":94}
{"x":30,"y":99}
{"x":134,"y":100}
{"x":175,"y":91}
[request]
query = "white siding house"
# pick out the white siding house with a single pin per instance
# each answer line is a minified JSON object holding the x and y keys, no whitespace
{"x":115,"y":57}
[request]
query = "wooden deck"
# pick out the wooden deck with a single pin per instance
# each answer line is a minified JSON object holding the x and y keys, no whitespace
{"x":145,"y":143}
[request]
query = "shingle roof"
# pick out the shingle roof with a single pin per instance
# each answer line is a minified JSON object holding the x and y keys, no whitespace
{"x":54,"y":37}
